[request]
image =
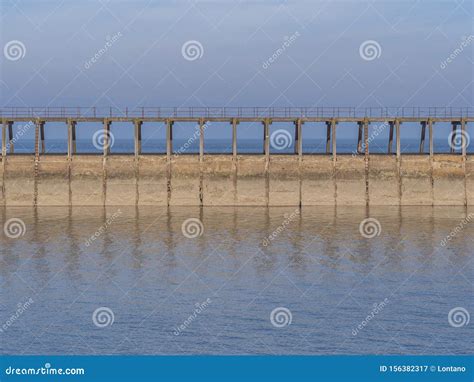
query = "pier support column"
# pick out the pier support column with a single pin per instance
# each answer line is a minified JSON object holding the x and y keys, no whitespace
{"x":138,"y":137}
{"x":422,"y":138}
{"x":43,"y":146}
{"x":390,"y":137}
{"x":333,"y":127}
{"x":169,"y":139}
{"x":453,"y":136}
{"x":107,"y":124}
{"x":235,"y":122}
{"x":4,"y":140}
{"x":10,"y":137}
{"x":430,"y":131}
{"x":266,"y":138}
{"x":298,"y":138}
{"x":201,"y":140}
{"x":463,"y":138}
{"x":397,"y":128}
{"x":328,"y":136}
{"x":359,"y":138}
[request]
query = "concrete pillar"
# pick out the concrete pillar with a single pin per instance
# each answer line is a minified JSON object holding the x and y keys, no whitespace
{"x":201,"y":140}
{"x":138,"y":137}
{"x":430,"y":130}
{"x":390,"y":138}
{"x":43,"y":147}
{"x":37,"y":139}
{"x":422,"y":138}
{"x":266,"y":137}
{"x":366,"y":137}
{"x":4,"y":140}
{"x":328,"y":136}
{"x":397,"y":128}
{"x":333,"y":127}
{"x":235,"y":122}
{"x":359,"y":138}
{"x":107,"y":124}
{"x":464,"y":138}
{"x":453,"y":136}
{"x":10,"y":137}
{"x":169,"y":138}
{"x":298,"y":138}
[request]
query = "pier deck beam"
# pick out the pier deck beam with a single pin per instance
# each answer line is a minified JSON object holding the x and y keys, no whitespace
{"x":422,"y":138}
{"x":138,"y":137}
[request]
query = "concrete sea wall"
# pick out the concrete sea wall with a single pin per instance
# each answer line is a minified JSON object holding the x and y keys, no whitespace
{"x":247,"y":180}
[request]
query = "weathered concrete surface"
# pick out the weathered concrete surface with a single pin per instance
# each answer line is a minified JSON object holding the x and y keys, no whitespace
{"x":383,"y":180}
{"x":247,"y":180}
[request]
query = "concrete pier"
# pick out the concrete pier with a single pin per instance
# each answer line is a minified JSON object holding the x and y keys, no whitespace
{"x":265,"y":179}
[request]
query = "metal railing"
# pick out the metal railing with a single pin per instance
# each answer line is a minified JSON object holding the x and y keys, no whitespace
{"x":237,"y":112}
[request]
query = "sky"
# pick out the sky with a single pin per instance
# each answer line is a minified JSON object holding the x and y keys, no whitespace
{"x":240,"y":53}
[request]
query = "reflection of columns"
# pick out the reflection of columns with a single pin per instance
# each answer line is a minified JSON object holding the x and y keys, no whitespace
{"x":201,"y":140}
{"x":107,"y":124}
{"x":430,"y":131}
{"x":422,"y":138}
{"x":266,"y":138}
{"x":390,"y":138}
{"x":10,"y":137}
{"x":234,"y":137}
{"x":359,"y":138}
{"x":328,"y":136}
{"x":298,"y":138}
{"x":71,"y":138}
{"x":453,"y":136}
{"x":138,"y":137}
{"x":169,"y":139}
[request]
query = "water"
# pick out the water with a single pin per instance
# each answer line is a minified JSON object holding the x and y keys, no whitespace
{"x":244,"y":146}
{"x":317,"y":265}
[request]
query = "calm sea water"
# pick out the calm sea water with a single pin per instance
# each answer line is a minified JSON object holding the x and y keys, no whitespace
{"x":162,"y":291}
{"x":244,"y":146}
